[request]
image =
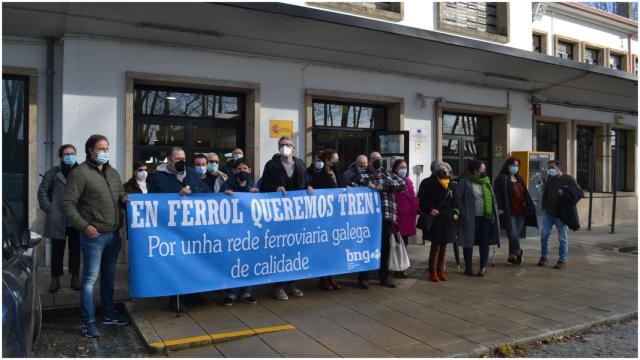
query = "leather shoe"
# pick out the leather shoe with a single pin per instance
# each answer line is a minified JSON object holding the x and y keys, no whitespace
{"x":334,"y":284}
{"x":325,"y":284}
{"x":434,"y":277}
{"x":561,"y":265}
{"x":363,"y":285}
{"x":468,"y":272}
{"x":401,"y":275}
{"x":55,"y":284}
{"x":442,"y":276}
{"x":387,"y":283}
{"x":542,"y":261}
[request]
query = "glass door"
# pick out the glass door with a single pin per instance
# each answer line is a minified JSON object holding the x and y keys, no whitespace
{"x":391,"y":144}
{"x":465,"y":137}
{"x":15,"y":125}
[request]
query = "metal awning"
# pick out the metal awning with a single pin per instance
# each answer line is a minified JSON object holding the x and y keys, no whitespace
{"x":319,"y":36}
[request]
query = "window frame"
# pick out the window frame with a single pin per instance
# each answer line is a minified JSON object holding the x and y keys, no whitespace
{"x":576,"y":48}
{"x":544,"y":41}
{"x":624,"y":59}
{"x":600,"y":49}
{"x":26,"y":125}
{"x":361,"y":9}
{"x":190,"y":147}
{"x":503,"y":10}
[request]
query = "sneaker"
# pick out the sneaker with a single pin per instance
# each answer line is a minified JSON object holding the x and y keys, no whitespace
{"x":249,"y":300}
{"x":324,"y":284}
{"x":115,"y":319}
{"x":561,"y":265}
{"x":542,"y":261}
{"x":280,"y":294}
{"x":90,"y":330}
{"x":334,"y":284}
{"x":228,"y":301}
{"x":363,"y":285}
{"x":295,"y":291}
{"x":482,"y":272}
{"x":511,"y":260}
{"x":469,"y":272}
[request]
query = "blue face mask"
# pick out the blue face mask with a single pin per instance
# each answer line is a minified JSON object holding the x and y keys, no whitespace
{"x":69,"y":159}
{"x":513,"y":169}
{"x":103,"y":157}
{"x":201,"y":170}
{"x":212,"y":167}
{"x":552,"y":172}
{"x":319,"y":165}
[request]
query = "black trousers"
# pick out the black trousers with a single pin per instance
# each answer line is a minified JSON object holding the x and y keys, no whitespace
{"x":383,"y":273}
{"x":482,"y":234}
{"x":72,"y":236}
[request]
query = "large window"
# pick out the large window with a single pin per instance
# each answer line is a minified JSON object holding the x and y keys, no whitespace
{"x":199,"y":121}
{"x":619,"y":153}
{"x":356,"y":128}
{"x":465,"y":137}
{"x":15,"y":108}
{"x":585,"y":136}
{"x":487,"y":20}
{"x":548,"y":138}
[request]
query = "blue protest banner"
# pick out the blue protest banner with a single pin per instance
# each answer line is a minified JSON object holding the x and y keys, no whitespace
{"x":203,"y":242}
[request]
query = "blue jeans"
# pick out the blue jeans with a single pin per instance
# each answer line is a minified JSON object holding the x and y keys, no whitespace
{"x":99,"y":256}
{"x":548,"y":221}
{"x":244,"y":292}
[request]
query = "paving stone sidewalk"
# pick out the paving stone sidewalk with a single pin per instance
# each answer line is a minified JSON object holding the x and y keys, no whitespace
{"x":463,"y":316}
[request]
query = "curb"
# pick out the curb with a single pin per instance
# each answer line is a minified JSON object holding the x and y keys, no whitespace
{"x":615,"y":319}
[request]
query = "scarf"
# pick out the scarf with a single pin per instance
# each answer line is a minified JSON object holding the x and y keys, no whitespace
{"x":444,"y":182}
{"x":487,"y":194}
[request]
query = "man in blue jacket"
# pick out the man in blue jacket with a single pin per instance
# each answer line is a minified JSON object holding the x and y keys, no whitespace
{"x":175,"y":177}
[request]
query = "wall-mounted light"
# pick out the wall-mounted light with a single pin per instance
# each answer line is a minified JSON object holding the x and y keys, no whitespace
{"x":170,"y":97}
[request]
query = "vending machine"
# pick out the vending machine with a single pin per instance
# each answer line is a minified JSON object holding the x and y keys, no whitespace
{"x":533,"y":168}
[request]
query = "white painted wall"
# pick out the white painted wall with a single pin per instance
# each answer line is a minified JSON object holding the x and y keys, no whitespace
{"x":555,"y":23}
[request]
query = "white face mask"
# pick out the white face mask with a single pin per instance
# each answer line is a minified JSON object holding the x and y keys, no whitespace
{"x":141,"y":175}
{"x":285,"y":150}
{"x":402,"y":173}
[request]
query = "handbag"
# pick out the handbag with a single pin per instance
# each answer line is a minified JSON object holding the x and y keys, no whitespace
{"x":427,"y":218}
{"x":398,"y":256}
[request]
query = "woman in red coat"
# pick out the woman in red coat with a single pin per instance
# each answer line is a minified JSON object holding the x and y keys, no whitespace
{"x":408,"y":208}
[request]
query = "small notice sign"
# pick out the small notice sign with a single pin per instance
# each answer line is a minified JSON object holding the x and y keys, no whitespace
{"x":279,"y":128}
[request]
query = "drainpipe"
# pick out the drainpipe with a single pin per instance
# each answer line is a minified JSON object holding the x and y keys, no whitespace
{"x":49,"y":118}
{"x":49,"y":130}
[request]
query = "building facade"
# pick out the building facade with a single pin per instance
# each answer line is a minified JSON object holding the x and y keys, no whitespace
{"x":416,"y":79}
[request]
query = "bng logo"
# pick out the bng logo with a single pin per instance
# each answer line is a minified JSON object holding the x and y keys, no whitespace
{"x":354,"y":258}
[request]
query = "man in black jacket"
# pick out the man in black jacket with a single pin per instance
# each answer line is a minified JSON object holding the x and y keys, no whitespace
{"x":285,"y":172}
{"x":553,"y":206}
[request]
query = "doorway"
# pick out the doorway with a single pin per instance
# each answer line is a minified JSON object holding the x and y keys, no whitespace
{"x":356,"y":128}
{"x":465,"y":137}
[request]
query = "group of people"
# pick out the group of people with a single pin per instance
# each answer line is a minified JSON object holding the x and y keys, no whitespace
{"x":85,"y":206}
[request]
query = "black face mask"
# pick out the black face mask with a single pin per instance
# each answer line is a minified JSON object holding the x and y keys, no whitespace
{"x":242,"y":175}
{"x":179,"y":165}
{"x":483,"y":174}
{"x":336,"y":165}
{"x":442,"y":174}
{"x":377,"y":163}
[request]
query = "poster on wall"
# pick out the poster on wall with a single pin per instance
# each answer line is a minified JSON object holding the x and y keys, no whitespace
{"x":279,"y":128}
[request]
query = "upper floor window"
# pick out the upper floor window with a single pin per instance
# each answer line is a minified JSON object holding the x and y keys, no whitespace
{"x":392,"y":10}
{"x":486,"y":20}
{"x":565,"y":50}
{"x":593,"y":55}
{"x":537,"y":43}
{"x":615,"y":62}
